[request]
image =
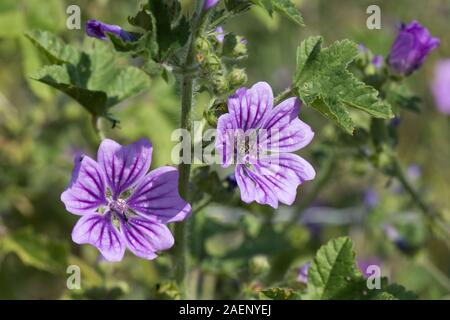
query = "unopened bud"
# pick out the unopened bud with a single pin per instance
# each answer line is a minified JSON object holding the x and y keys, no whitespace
{"x":259,"y":265}
{"x":213,"y":63}
{"x":237,"y":77}
{"x":202,"y":45}
{"x":220,"y":84}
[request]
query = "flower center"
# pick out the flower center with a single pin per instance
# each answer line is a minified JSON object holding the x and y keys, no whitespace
{"x":246,"y":147}
{"x":118,"y":206}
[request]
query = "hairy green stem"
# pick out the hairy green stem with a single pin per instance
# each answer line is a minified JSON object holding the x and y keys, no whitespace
{"x":97,"y":125}
{"x":187,"y":91}
{"x":288,"y":92}
{"x":183,"y":183}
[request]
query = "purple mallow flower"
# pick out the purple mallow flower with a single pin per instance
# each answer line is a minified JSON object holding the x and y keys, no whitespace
{"x":411,"y":47}
{"x":98,"y":29}
{"x":441,"y":86}
{"x":260,"y":139}
{"x":120,"y":204}
{"x":208,"y":4}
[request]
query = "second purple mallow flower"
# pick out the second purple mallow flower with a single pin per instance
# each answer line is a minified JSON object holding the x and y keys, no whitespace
{"x":441,"y":86}
{"x":98,"y":29}
{"x":260,"y":139}
{"x":120,"y":204}
{"x":409,"y":50}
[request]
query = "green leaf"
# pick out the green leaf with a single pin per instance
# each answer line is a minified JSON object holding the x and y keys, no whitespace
{"x":167,"y":290}
{"x":54,"y":49}
{"x":333,"y":273}
{"x":399,"y":292}
{"x":324,"y":83}
{"x":279,"y":294}
{"x":172,"y":29}
{"x":289,"y":9}
{"x":285,"y":7}
{"x":94,"y":79}
{"x":61,"y":78}
{"x":37,"y":250}
{"x":110,"y":292}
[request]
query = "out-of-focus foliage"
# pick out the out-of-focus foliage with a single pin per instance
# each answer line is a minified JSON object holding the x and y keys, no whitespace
{"x":238,"y":251}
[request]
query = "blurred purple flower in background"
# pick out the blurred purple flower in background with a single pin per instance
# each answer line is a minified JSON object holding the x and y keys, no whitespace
{"x":362,"y":48}
{"x":260,"y":139}
{"x":364,"y":264}
{"x":302,"y":275}
{"x":208,"y":4}
{"x":370,"y":198}
{"x":410,"y":48}
{"x":441,"y":86}
{"x":395,"y":122}
{"x":414,"y":171}
{"x":377,"y":61}
{"x":98,"y":29}
{"x":120,"y":204}
{"x":393,"y":235}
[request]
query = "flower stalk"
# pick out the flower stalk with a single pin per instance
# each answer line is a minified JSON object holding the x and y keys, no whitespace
{"x":97,"y":125}
{"x":187,"y":92}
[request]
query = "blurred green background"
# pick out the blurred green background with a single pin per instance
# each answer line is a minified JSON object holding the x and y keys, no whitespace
{"x":41,"y":130}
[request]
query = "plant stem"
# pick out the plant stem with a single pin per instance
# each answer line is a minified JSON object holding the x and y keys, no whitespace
{"x":183,"y":183}
{"x":187,"y":86}
{"x":97,"y":125}
{"x":415,"y":196}
{"x":434,"y":219}
{"x":283,"y":95}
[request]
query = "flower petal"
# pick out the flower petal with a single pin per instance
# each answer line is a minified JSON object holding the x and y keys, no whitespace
{"x":248,"y":107}
{"x":86,"y":191}
{"x":124,"y":166}
{"x":156,"y":197}
{"x":144,"y":237}
{"x":98,"y":230}
{"x":284,"y":131}
{"x":225,"y":139}
{"x":273,"y":179}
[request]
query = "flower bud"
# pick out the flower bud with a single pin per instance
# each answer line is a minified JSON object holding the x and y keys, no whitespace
{"x":213,"y":63}
{"x":220,"y":84}
{"x":234,"y":46}
{"x":241,"y":47}
{"x":98,"y":29}
{"x":214,"y":112}
{"x":202,"y":45}
{"x":237,"y":77}
{"x":410,"y":48}
{"x":259,"y":265}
